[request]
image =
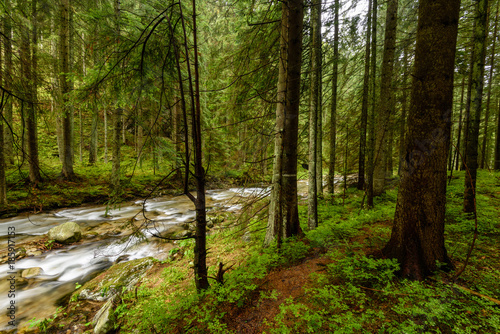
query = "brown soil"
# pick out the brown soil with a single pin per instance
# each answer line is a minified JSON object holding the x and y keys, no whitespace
{"x":287,"y":282}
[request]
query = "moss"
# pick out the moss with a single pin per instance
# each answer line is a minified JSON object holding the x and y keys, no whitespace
{"x":118,"y":277}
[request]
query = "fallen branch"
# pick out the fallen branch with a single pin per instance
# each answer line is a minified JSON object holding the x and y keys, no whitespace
{"x":491,"y":299}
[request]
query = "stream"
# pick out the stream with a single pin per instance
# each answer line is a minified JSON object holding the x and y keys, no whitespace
{"x":62,"y":268}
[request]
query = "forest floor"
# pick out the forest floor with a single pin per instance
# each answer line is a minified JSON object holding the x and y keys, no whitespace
{"x":327,"y":281}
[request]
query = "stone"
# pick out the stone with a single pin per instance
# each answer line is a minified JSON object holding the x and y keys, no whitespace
{"x":120,"y":277}
{"x":31,"y":272}
{"x":104,"y":318}
{"x":66,"y":233}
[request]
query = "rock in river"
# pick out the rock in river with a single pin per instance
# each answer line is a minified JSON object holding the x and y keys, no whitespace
{"x":66,"y":233}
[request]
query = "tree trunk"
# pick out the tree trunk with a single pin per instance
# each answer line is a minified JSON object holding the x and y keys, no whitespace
{"x":333,"y":112}
{"x":484,"y":151}
{"x":285,"y":196}
{"x":417,"y":239}
{"x":7,"y":111}
{"x":66,"y":112}
{"x":117,"y":113}
{"x":313,"y":114}
{"x":404,"y":111}
{"x":459,"y":157}
{"x":28,"y":66}
{"x":386,"y":97}
{"x":364,"y":103}
{"x":371,"y":122}
{"x":3,"y":185}
{"x":477,"y":82}
{"x":497,"y":139}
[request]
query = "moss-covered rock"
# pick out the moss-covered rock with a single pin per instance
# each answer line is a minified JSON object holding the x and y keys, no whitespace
{"x":66,"y":233}
{"x":118,"y":278}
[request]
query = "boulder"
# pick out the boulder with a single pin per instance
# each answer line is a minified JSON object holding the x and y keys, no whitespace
{"x":31,"y":272}
{"x":66,"y":233}
{"x":120,"y":277}
{"x":104,"y":318}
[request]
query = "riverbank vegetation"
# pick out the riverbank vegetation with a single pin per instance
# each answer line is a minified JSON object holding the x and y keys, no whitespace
{"x":331,"y":280}
{"x":103,"y":102}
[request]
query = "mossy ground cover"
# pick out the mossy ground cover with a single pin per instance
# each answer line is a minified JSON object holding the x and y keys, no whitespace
{"x":331,"y":280}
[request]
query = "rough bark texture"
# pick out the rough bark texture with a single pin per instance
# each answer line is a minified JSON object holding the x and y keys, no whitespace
{"x":497,"y":140}
{"x":283,"y":211}
{"x":333,"y":113}
{"x":117,"y":115}
{"x":7,"y":111}
{"x":28,"y":66}
{"x":67,"y":115}
{"x":3,"y":185}
{"x":477,"y":83}
{"x":417,"y":239}
{"x":313,"y":115}
{"x":386,"y":97}
{"x":364,"y":103}
{"x":404,"y":110}
{"x":371,"y":116}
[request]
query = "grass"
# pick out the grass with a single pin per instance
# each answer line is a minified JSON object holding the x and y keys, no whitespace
{"x":348,"y":290}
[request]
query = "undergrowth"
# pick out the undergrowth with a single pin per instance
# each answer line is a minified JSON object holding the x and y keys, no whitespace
{"x":354,"y":293}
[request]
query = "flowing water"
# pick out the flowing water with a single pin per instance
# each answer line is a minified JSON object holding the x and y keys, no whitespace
{"x":62,"y":268}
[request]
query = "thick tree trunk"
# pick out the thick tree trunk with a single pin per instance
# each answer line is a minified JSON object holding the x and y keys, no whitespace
{"x":417,"y":239}
{"x":285,"y":207}
{"x":386,"y":97}
{"x":275,"y":220}
{"x":477,"y":83}
{"x":364,"y":103}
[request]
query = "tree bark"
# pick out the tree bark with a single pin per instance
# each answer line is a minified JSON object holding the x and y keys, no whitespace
{"x":7,"y":111}
{"x":497,"y":139}
{"x":313,"y":114}
{"x":477,"y":83}
{"x":404,"y":111}
{"x":371,"y":122}
{"x":386,"y":97}
{"x":484,"y":151}
{"x":364,"y":103}
{"x":28,"y":66}
{"x":417,"y":239}
{"x":117,"y":112}
{"x":3,"y":185}
{"x":66,"y":112}
{"x":333,"y":112}
{"x":285,"y":197}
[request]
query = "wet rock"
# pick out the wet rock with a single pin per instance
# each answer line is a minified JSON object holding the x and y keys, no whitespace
{"x":117,"y":279}
{"x":104,"y":318}
{"x":172,"y":231}
{"x":185,"y":234}
{"x":33,"y":252}
{"x":122,"y":258}
{"x":31,"y":272}
{"x":66,"y":233}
